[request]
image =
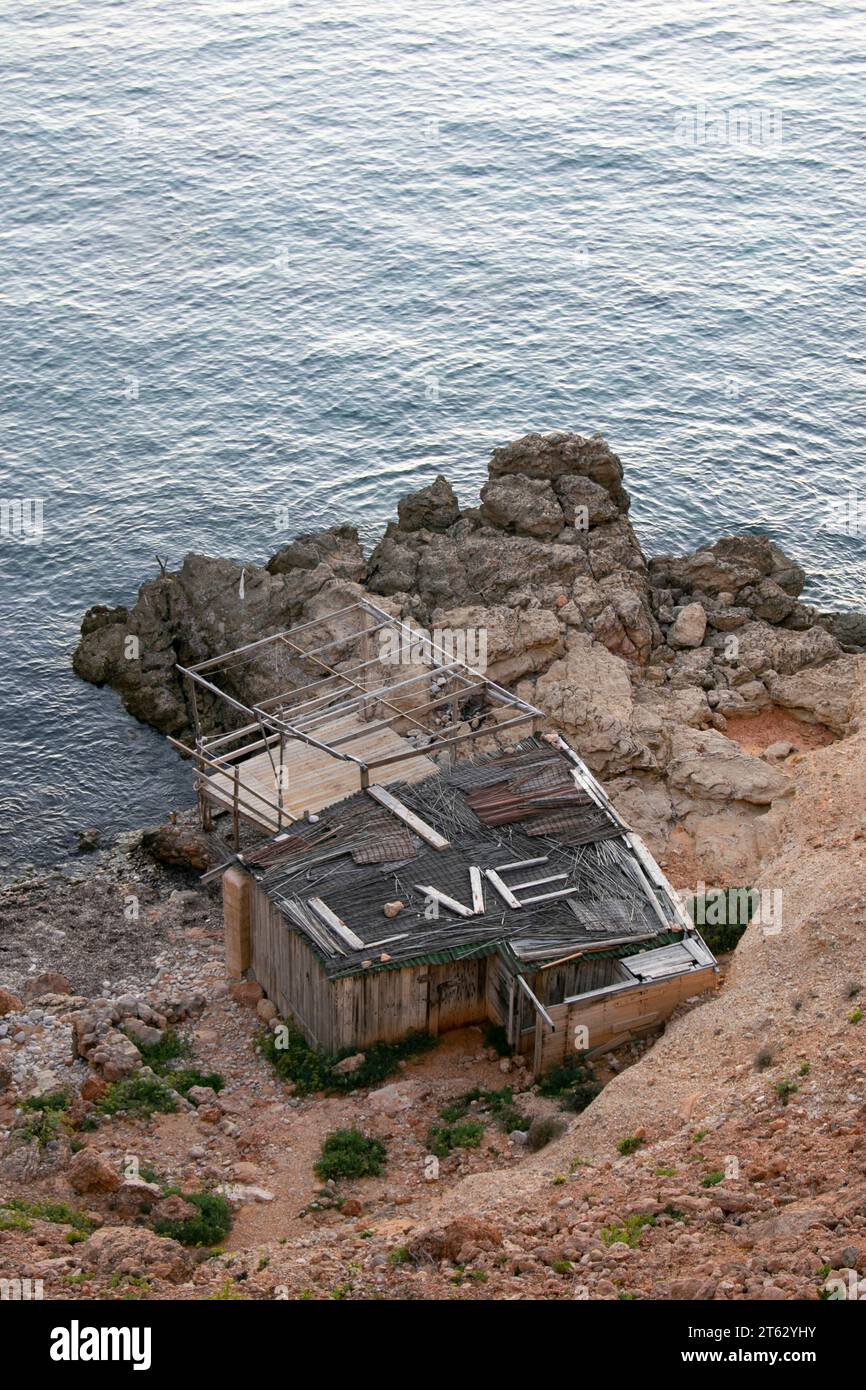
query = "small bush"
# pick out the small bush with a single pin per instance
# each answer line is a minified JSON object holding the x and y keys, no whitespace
{"x":573,"y":1084}
{"x":170,"y":1048}
{"x":210,"y":1225}
{"x":629,"y":1145}
{"x":311,"y":1070}
{"x":626,"y":1232}
{"x":138,"y":1095}
{"x":466,"y":1134}
{"x":56,"y":1101}
{"x":785,"y":1089}
{"x":856,"y":1015}
{"x":496,"y":1037}
{"x":182,"y":1081}
{"x":763,"y":1058}
{"x":722,"y":917}
{"x":227,"y":1293}
{"x":14,"y":1221}
{"x":713,"y":1179}
{"x":347,"y":1153}
{"x":44,"y":1127}
{"x":58,"y":1213}
{"x":543,"y":1129}
{"x":498,"y":1104}
{"x":165,"y":1058}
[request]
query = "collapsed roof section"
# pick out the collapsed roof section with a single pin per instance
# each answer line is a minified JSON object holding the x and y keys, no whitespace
{"x":519,"y":853}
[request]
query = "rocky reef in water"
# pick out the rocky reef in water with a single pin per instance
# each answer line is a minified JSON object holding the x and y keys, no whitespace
{"x":646,"y":665}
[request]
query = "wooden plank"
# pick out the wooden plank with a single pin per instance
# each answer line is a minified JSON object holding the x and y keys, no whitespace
{"x":502,"y":888}
{"x":396,"y":807}
{"x":451,"y":903}
{"x":477,"y":882}
{"x":546,"y":897}
{"x":536,"y":1003}
{"x":522,"y":864}
{"x":537,"y":882}
{"x":335,"y":923}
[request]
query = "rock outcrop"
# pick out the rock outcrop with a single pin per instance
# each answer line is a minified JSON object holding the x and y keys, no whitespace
{"x":641,"y":663}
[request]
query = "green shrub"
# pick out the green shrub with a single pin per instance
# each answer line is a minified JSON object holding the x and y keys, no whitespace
{"x":57,"y":1100}
{"x":138,"y":1095}
{"x":183,"y":1080}
{"x":626,"y":1232}
{"x":311,"y":1070}
{"x":721,"y":917}
{"x":573,"y":1083}
{"x":785,"y":1089}
{"x":44,"y":1126}
{"x":58,"y":1213}
{"x":496,"y":1037}
{"x":14,"y":1220}
{"x":347,"y":1153}
{"x":543,"y":1129}
{"x":163,"y":1057}
{"x":227,"y":1293}
{"x":211,"y":1223}
{"x":713,"y":1179}
{"x":466,"y":1134}
{"x":499,"y":1105}
{"x":170,"y":1048}
{"x":629,"y":1145}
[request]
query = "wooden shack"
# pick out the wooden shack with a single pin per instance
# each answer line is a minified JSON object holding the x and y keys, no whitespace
{"x":440,"y":874}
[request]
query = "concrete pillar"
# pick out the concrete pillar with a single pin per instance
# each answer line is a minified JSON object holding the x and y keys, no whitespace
{"x":236,"y":921}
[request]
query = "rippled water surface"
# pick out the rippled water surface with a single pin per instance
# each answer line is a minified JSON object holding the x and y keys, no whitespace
{"x":258,"y":256}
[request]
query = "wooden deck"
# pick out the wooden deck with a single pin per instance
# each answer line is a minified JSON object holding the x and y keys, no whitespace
{"x":315,"y":778}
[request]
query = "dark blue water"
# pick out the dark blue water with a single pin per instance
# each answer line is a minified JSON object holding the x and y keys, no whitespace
{"x":259,"y":255}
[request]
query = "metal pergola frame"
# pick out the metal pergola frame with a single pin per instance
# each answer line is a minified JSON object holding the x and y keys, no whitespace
{"x":297,"y":713}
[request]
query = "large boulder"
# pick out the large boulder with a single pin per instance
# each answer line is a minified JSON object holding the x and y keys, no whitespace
{"x":588,"y":694}
{"x":828,"y":694}
{"x":849,"y":629}
{"x":728,"y":566}
{"x":761,"y":647}
{"x":337,"y":548}
{"x":207,"y":607}
{"x":433,"y":508}
{"x":707,"y":766}
{"x":91,"y":1172}
{"x":137,"y":1251}
{"x":689,"y":626}
{"x":10,"y":1003}
{"x":527,"y":506}
{"x":552,"y":456}
{"x":516,"y":641}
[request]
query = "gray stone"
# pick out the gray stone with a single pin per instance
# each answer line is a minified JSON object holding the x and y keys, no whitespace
{"x":689,"y":628}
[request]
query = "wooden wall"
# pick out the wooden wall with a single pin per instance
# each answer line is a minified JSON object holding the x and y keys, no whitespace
{"x":456,"y":994}
{"x":373,"y":1006}
{"x":612,"y":1014}
{"x":288,"y":971}
{"x":384,"y":1005}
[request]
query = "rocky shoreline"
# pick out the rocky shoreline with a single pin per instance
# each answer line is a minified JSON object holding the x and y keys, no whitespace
{"x":722,"y":1159}
{"x":651,"y":667}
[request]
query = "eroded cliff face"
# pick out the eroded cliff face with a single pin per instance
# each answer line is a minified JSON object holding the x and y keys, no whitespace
{"x":647,"y":666}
